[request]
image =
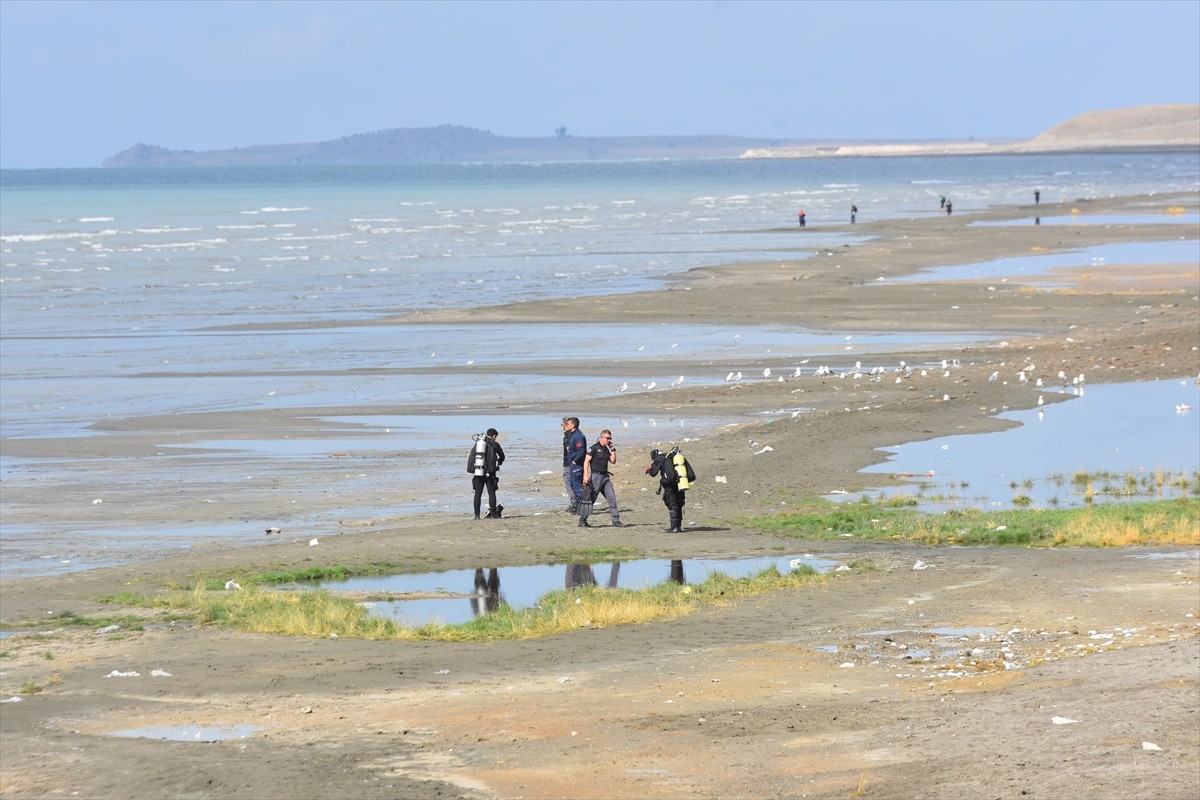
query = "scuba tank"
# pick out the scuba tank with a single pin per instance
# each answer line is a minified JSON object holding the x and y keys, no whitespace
{"x":480,"y":453}
{"x":681,"y":471}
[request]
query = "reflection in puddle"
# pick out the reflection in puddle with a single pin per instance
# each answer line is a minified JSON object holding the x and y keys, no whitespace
{"x":1109,"y":443}
{"x":1185,"y":251}
{"x":190,"y":733}
{"x":1093,"y":219}
{"x":476,"y":592}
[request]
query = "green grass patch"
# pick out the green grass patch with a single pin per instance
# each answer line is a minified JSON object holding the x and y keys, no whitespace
{"x":69,"y":619}
{"x":319,"y":614}
{"x":305,"y":575}
{"x":1153,"y":523}
{"x":595,"y":555}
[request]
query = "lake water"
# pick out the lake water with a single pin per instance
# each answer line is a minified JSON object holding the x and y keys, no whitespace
{"x":124,"y":293}
{"x":1111,"y":433}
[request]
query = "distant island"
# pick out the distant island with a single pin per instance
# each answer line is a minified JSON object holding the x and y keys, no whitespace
{"x":1143,"y":128}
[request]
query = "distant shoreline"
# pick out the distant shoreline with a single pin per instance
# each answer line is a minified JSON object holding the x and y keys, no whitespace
{"x":1165,"y":128}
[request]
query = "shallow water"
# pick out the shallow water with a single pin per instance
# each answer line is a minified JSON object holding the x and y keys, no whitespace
{"x":1142,"y":254}
{"x":1116,"y":430}
{"x":1161,"y":218}
{"x":522,"y":587}
{"x":201,"y":734}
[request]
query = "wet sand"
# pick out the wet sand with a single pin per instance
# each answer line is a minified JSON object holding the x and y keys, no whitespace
{"x":740,"y":701}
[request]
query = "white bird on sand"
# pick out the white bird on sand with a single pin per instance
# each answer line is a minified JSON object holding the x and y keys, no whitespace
{"x":729,"y":378}
{"x":1041,"y":400}
{"x":993,"y":377}
{"x":766,"y":373}
{"x":650,"y":386}
{"x":677,"y":381}
{"x":624,"y":388}
{"x":737,"y":377}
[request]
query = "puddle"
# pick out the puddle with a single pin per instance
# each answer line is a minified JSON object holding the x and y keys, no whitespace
{"x":190,"y":733}
{"x":1094,"y":219}
{"x":1185,"y":251}
{"x":478,"y":591}
{"x":1190,"y":556}
{"x":956,"y":632}
{"x":1117,"y":439}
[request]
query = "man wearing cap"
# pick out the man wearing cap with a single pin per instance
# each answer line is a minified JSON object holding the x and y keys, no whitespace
{"x":574,"y":451}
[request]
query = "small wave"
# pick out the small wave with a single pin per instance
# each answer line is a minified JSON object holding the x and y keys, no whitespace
{"x":95,"y":219}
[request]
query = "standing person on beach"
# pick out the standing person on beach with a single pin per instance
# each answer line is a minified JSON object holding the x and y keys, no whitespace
{"x":949,"y":208}
{"x":943,"y":204}
{"x":483,"y":462}
{"x":574,"y":451}
{"x":853,"y":213}
{"x":675,"y":476}
{"x":595,"y":471}
{"x":800,"y":217}
{"x":1037,"y":197}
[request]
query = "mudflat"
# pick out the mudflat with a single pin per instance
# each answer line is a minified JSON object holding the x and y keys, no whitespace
{"x":991,"y":673}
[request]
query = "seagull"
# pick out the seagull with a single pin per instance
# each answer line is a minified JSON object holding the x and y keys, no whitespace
{"x":766,"y":373}
{"x":624,"y":388}
{"x":993,"y":377}
{"x":737,"y":377}
{"x":650,"y":386}
{"x":729,"y":378}
{"x":677,"y":381}
{"x":1041,"y":400}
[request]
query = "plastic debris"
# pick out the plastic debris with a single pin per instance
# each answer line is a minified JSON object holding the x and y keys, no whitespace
{"x":108,"y":629}
{"x":1063,"y":721}
{"x":232,"y":585}
{"x":119,"y":674}
{"x":1151,"y":746}
{"x":160,"y":673}
{"x":721,"y":479}
{"x":11,"y":700}
{"x":312,"y":542}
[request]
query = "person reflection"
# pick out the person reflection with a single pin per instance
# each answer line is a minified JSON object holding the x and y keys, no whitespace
{"x":580,"y":575}
{"x":677,"y":571}
{"x":487,"y":592}
{"x":612,"y":574}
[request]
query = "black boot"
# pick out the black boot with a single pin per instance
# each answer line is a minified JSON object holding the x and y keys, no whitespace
{"x":583,"y":523}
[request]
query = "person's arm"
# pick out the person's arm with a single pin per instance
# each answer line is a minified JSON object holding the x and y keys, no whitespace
{"x":587,"y":468}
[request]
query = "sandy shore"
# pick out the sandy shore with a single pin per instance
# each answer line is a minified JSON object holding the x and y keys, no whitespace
{"x":746,"y":701}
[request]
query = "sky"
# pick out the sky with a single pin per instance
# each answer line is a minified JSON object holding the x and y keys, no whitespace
{"x":81,"y":81}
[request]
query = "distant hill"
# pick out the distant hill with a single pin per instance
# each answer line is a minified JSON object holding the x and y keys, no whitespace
{"x":1166,"y":127}
{"x":1124,"y":128}
{"x":1143,"y":128}
{"x":447,"y":144}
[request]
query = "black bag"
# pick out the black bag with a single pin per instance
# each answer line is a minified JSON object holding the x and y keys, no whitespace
{"x":587,"y":496}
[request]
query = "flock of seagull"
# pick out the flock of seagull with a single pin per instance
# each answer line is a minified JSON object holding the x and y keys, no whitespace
{"x":876,"y":374}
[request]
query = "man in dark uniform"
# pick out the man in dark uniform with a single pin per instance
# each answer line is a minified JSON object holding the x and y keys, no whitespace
{"x":595,"y":471}
{"x":574,"y":451}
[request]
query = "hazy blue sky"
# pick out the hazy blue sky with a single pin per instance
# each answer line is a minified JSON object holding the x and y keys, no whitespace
{"x":80,"y":81}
